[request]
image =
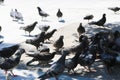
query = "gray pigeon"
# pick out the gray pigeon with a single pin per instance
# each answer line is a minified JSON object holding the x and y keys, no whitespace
{"x":56,"y":69}
{"x":12,"y":62}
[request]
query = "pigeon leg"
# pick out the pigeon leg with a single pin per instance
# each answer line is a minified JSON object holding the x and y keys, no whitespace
{"x":109,"y":69}
{"x":68,"y":70}
{"x":13,"y":73}
{"x":61,"y":18}
{"x":88,"y":20}
{"x":14,"y":18}
{"x":48,"y":39}
{"x":5,"y":72}
{"x":25,"y":32}
{"x":91,"y":70}
{"x":115,"y":12}
{"x":57,"y":49}
{"x":45,"y":19}
{"x":58,"y":19}
{"x":56,"y":78}
{"x":42,"y":19}
{"x":29,"y":33}
{"x":73,"y":71}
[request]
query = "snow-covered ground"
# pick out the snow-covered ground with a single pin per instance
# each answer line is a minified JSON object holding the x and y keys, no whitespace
{"x":73,"y":11}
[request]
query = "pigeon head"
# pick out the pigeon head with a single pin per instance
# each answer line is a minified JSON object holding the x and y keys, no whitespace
{"x":59,"y":9}
{"x":83,"y":38}
{"x":19,"y":52}
{"x":48,"y":26}
{"x":36,"y":22}
{"x":80,"y":24}
{"x":55,"y":30}
{"x":39,"y":8}
{"x":54,"y":52}
{"x":61,"y":36}
{"x":16,"y":10}
{"x":41,"y":44}
{"x":65,"y":52}
{"x":104,"y":15}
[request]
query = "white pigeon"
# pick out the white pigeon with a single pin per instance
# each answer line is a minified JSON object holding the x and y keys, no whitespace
{"x":17,"y":16}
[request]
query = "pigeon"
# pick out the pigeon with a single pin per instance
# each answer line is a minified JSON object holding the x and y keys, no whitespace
{"x":43,"y":48}
{"x":37,"y":40}
{"x":1,"y":1}
{"x":12,"y":14}
{"x":42,"y":13}
{"x":81,"y":46}
{"x":12,"y":62}
{"x":17,"y":16}
{"x":41,"y":57}
{"x":100,"y":22}
{"x":71,"y":63}
{"x":56,"y":68}
{"x":87,"y":57}
{"x":88,"y":17}
{"x":108,"y":56}
{"x":114,"y":9}
{"x":44,"y":28}
{"x":7,"y":52}
{"x":48,"y":35}
{"x":58,"y":44}
{"x":80,"y":29}
{"x":29,"y":28}
{"x":59,"y":14}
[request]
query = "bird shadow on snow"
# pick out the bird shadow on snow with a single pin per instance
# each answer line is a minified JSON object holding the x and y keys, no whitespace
{"x":45,"y":20}
{"x":68,"y":77}
{"x":4,"y":44}
{"x":29,"y":35}
{"x":49,"y":42}
{"x":18,"y":22}
{"x":28,"y":77}
{"x":62,"y":21}
{"x":2,"y":4}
